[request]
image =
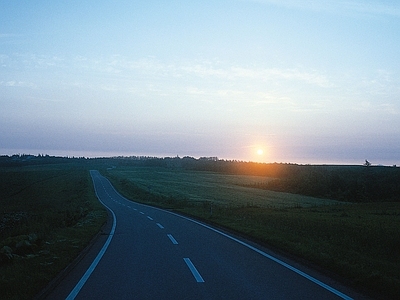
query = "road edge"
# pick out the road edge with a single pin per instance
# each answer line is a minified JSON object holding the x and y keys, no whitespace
{"x":104,"y":231}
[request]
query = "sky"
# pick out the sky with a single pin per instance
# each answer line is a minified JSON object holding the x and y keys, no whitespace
{"x":288,"y":81}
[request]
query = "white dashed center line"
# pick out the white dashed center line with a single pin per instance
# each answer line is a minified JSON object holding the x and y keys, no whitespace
{"x":172,"y":239}
{"x":193,"y":269}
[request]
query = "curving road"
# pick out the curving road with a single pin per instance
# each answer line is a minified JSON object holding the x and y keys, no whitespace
{"x":149,"y":253}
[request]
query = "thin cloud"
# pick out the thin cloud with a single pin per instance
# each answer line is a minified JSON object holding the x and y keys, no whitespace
{"x":312,"y":77}
{"x":232,"y":73}
{"x":210,"y":80}
{"x":14,"y":83}
{"x":389,"y":108}
{"x":153,"y":68}
{"x":28,"y":60}
{"x":8,"y":35}
{"x":372,"y":109}
{"x":339,"y":6}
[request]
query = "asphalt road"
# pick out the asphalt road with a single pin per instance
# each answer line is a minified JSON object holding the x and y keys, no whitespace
{"x":149,"y":253}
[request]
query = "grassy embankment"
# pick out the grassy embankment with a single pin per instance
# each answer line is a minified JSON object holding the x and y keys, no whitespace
{"x":359,"y":242}
{"x":48,"y":215}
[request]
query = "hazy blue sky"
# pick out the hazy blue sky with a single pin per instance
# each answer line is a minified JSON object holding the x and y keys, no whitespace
{"x":306,"y":81}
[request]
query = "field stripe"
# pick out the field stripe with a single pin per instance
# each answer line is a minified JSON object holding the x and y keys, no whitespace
{"x":193,"y":269}
{"x":90,"y":270}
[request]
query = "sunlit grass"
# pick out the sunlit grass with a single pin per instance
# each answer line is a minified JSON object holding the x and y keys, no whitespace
{"x":214,"y":187}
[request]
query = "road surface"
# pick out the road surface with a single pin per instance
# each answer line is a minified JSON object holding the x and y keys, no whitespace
{"x":149,"y":253}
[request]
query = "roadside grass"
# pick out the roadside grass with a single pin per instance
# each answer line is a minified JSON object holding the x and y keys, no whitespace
{"x":49,"y":214}
{"x":359,"y":243}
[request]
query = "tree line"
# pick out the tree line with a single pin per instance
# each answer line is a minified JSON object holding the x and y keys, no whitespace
{"x":363,"y":183}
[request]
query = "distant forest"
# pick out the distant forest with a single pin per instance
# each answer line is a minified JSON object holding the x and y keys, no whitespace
{"x":363,"y":183}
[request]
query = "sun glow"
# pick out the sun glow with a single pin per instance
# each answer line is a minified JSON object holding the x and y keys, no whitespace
{"x":258,"y":154}
{"x":258,"y":151}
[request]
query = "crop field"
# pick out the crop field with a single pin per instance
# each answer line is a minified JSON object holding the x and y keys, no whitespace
{"x":48,"y":214}
{"x":199,"y":186}
{"x":358,"y":242}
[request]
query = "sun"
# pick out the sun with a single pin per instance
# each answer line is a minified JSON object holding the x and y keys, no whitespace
{"x":260,"y":152}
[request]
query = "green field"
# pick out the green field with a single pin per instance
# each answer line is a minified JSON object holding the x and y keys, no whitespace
{"x":357,"y":242}
{"x":198,"y":186}
{"x":48,"y":216}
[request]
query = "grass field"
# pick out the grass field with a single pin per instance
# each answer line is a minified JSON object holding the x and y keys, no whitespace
{"x":208,"y":186}
{"x":48,"y":215}
{"x":358,"y":242}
